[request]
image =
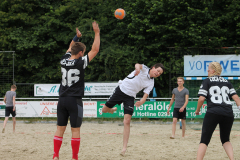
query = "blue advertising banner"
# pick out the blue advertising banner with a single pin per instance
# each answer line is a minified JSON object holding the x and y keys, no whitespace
{"x":198,"y":65}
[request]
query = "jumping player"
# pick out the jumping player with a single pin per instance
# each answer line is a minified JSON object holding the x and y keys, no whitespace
{"x":141,"y":78}
{"x":180,"y":95}
{"x":73,"y":64}
{"x":9,"y":100}
{"x":218,"y":92}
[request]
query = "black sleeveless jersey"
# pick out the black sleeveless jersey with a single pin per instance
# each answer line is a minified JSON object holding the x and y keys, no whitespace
{"x":72,"y":76}
{"x":218,"y":92}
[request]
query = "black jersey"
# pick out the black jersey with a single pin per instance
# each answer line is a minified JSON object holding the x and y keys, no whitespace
{"x":72,"y":76}
{"x":218,"y":92}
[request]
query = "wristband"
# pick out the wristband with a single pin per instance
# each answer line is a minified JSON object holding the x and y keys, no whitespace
{"x":239,"y":107}
{"x":76,"y":39}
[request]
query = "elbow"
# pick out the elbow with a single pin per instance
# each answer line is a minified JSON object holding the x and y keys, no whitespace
{"x":95,"y":50}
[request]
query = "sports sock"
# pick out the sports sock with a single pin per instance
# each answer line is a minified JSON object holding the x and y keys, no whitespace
{"x":75,"y":142}
{"x":57,"y":142}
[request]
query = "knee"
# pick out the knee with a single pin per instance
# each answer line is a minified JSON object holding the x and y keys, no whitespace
{"x":174,"y":121}
{"x":224,"y":140}
{"x":183,"y":123}
{"x":126,"y":121}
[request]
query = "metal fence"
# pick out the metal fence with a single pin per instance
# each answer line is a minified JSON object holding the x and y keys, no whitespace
{"x":176,"y":69}
{"x":6,"y":71}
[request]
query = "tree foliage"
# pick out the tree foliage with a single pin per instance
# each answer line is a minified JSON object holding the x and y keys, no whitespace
{"x":40,"y":32}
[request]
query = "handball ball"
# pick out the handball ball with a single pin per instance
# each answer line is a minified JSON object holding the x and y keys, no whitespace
{"x":119,"y":13}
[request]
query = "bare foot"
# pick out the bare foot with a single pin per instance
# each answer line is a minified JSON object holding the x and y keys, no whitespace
{"x":56,"y":158}
{"x":3,"y":130}
{"x":123,"y":152}
{"x":172,"y":137}
{"x":113,"y":110}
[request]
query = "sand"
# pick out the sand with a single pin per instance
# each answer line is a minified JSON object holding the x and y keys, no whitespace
{"x":104,"y":142}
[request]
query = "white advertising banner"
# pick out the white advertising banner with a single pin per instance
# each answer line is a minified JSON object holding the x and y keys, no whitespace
{"x":46,"y":109}
{"x":198,"y":65}
{"x":91,"y":89}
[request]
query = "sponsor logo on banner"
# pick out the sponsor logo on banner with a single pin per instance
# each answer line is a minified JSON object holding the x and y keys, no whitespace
{"x":89,"y":90}
{"x":151,"y":109}
{"x":46,"y":111}
{"x":198,"y":65}
{"x":89,"y":109}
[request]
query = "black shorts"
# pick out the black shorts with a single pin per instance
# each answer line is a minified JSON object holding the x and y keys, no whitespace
{"x":70,"y":107}
{"x":179,"y":115}
{"x":119,"y":97}
{"x":210,"y":122}
{"x":9,"y":110}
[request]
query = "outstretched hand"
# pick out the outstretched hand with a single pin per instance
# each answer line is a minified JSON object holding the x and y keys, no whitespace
{"x":95,"y":27}
{"x":138,"y":104}
{"x":79,"y":34}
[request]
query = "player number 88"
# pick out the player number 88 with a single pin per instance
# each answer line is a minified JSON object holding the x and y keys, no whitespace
{"x":219,"y":95}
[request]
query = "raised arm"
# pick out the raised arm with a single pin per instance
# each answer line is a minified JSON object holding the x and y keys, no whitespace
{"x":96,"y":42}
{"x":138,"y":67}
{"x":75,"y":39}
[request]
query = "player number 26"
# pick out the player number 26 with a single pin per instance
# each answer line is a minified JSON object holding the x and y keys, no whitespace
{"x":70,"y":77}
{"x":219,"y":95}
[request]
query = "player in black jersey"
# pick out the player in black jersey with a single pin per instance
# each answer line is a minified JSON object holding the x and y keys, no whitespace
{"x":73,"y":64}
{"x":218,"y":92}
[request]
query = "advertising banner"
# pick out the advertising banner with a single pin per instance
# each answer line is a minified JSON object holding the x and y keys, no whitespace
{"x":91,"y":89}
{"x":152,"y":109}
{"x":93,"y":109}
{"x":198,"y":65}
{"x":46,"y":109}
{"x":158,"y":109}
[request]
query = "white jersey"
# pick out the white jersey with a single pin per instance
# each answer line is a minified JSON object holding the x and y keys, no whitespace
{"x":131,"y":85}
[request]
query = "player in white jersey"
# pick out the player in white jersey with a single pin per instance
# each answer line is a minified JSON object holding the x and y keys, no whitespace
{"x":141,"y":78}
{"x":218,"y":92}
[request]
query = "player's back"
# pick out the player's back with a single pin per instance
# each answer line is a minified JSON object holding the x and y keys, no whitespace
{"x":219,"y":91}
{"x":72,"y":76}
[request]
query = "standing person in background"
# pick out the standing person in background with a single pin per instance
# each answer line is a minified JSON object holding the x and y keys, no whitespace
{"x":180,"y":95}
{"x":141,"y":78}
{"x":218,"y":92}
{"x":73,"y":65}
{"x":9,"y":100}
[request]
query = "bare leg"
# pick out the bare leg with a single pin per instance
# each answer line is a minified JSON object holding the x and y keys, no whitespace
{"x":75,"y":132}
{"x":4,"y":124}
{"x":105,"y":109}
{"x":174,"y":128}
{"x":60,"y":131}
{"x":183,"y":127}
{"x":201,"y":151}
{"x":126,"y":132}
{"x":14,"y":123}
{"x":229,"y":150}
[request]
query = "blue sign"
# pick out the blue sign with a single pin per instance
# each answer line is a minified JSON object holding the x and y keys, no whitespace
{"x":198,"y":65}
